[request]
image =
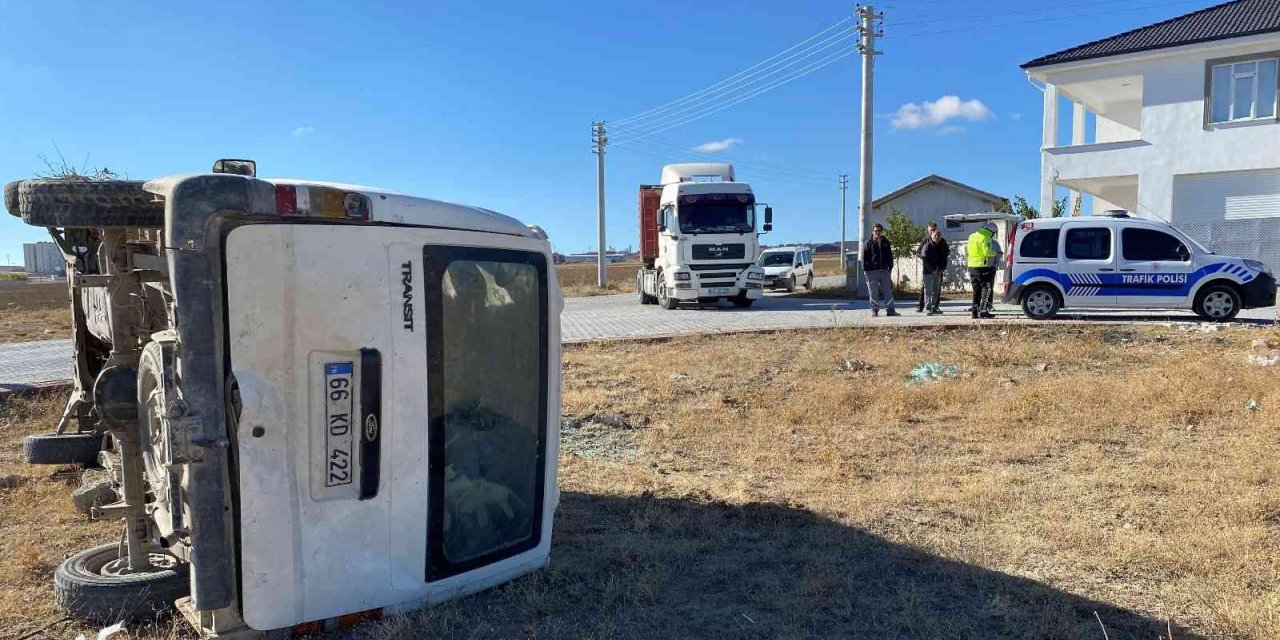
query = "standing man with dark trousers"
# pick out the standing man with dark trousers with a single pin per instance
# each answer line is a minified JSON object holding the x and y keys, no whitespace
{"x":924,"y":242}
{"x":983,"y":255}
{"x":877,"y":263}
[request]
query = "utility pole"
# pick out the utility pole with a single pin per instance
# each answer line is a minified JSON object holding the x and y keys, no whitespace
{"x":868,"y":30}
{"x":601,"y":140}
{"x":844,"y":186}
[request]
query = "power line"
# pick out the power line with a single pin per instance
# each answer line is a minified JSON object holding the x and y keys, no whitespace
{"x":716,"y":109}
{"x":732,"y":77}
{"x":743,"y":85}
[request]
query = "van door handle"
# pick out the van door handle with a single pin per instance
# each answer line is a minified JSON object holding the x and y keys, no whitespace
{"x":1106,"y":269}
{"x":1128,"y":269}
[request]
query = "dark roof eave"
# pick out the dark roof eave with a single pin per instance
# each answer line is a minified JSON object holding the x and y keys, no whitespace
{"x":1046,"y":61}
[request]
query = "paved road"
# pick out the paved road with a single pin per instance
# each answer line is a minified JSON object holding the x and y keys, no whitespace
{"x":622,"y":316}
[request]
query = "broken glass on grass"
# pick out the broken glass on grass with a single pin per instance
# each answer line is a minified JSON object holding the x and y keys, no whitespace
{"x":932,"y":371}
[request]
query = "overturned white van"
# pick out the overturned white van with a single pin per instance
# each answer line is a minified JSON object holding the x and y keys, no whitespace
{"x":320,"y":402}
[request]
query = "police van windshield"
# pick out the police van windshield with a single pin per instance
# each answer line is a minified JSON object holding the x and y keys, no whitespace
{"x":717,"y":213}
{"x":776,"y":258}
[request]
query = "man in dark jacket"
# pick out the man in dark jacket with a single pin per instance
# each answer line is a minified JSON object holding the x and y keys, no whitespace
{"x":877,"y":263}
{"x":935,"y":253}
{"x":928,"y":233}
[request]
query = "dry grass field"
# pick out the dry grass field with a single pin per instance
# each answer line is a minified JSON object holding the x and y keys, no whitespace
{"x":793,"y":485}
{"x":34,"y":312}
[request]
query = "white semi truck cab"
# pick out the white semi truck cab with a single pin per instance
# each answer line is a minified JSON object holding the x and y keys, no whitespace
{"x":698,"y":237}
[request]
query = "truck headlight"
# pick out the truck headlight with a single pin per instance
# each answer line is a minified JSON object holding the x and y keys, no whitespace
{"x":684,"y":275}
{"x":1258,"y":266}
{"x":755,"y":275}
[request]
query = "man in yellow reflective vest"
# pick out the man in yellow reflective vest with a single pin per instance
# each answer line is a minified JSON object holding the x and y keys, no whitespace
{"x":983,"y":255}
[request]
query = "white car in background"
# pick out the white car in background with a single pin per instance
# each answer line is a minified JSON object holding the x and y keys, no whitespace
{"x":787,"y":267}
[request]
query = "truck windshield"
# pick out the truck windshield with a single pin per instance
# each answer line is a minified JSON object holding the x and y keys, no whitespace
{"x":776,"y":258}
{"x":717,"y":217}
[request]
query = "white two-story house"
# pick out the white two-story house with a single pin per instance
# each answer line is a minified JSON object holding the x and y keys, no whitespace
{"x":1176,"y":121}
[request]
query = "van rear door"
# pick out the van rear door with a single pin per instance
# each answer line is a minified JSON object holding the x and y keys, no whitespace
{"x":396,"y":442}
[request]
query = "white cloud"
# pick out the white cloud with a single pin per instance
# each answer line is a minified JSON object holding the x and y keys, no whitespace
{"x":302,"y":132}
{"x":935,"y":113}
{"x":716,"y":146}
{"x":950,"y":130}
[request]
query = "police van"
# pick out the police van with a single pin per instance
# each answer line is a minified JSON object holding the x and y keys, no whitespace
{"x":1115,"y":261}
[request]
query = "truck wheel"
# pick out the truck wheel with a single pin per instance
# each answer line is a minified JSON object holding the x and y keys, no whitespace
{"x":665,"y":301}
{"x":741,"y":301}
{"x":644,"y":297}
{"x":1040,"y":303}
{"x":86,"y":204}
{"x":1218,"y":303}
{"x":97,"y":586}
{"x":66,"y":448}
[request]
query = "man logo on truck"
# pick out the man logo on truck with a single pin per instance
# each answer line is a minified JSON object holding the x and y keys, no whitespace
{"x":406,"y":279}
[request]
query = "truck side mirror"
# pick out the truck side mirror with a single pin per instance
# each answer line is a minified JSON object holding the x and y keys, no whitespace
{"x":768,"y":219}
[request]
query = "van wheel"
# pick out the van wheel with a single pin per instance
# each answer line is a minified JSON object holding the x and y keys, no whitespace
{"x":1041,"y":303}
{"x":62,"y":448}
{"x":808,"y":284}
{"x":96,"y":585}
{"x":1218,"y":303}
{"x":665,"y":301}
{"x":791,"y":283}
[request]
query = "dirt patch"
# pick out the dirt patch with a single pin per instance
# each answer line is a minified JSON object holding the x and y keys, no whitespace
{"x":34,"y":312}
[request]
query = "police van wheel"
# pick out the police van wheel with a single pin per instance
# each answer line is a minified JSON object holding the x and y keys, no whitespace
{"x":1218,"y":303}
{"x":1041,"y":303}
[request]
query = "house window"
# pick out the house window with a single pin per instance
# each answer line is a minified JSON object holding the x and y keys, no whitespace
{"x":1243,"y":90}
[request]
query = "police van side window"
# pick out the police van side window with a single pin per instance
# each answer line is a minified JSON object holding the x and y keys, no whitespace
{"x":1088,"y":244}
{"x":1143,"y":245}
{"x":1041,"y":243}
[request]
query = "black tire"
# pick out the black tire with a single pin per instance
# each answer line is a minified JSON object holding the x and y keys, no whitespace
{"x":1041,"y":302}
{"x":87,"y":204}
{"x":67,"y":448}
{"x":665,"y":301}
{"x":741,"y":301}
{"x":1218,"y":303}
{"x":808,"y":284}
{"x":85,"y":591}
{"x":11,"y":199}
{"x":791,"y":283}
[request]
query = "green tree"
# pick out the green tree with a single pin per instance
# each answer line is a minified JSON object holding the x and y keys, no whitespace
{"x":1023,"y":209}
{"x":903,"y":234}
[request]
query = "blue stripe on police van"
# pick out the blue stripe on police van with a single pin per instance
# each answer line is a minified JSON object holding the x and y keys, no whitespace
{"x":1134,"y":284}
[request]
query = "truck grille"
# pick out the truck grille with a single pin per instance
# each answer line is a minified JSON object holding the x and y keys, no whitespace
{"x":730,"y":283}
{"x":711,"y":267}
{"x":729,"y":274}
{"x":719,"y":251}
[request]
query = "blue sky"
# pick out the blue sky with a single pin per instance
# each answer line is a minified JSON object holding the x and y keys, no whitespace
{"x":491,"y":103}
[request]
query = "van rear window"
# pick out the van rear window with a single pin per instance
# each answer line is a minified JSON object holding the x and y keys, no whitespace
{"x":1041,"y":243}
